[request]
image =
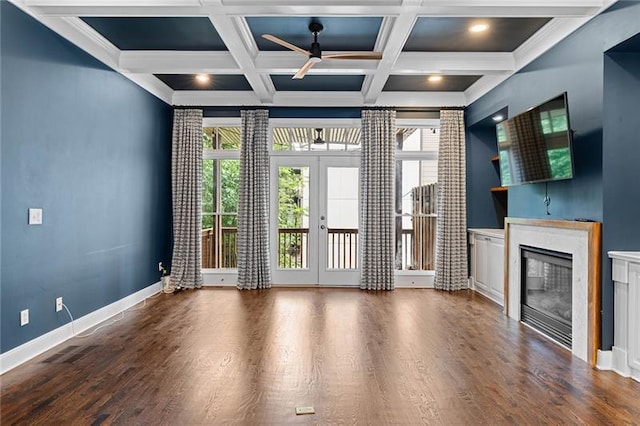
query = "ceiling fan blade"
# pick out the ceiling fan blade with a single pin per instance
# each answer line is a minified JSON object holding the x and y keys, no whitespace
{"x":305,"y":68}
{"x":286,"y":44}
{"x":354,"y":55}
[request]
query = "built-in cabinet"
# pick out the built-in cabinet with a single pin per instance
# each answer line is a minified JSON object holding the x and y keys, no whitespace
{"x":626,"y":334}
{"x":486,"y":247}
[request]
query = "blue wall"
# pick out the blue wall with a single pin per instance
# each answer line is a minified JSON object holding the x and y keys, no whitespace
{"x":575,"y":65}
{"x":93,"y":150}
{"x":621,"y":158}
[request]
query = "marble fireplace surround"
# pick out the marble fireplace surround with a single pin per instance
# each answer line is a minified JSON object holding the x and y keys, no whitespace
{"x":582,"y":241}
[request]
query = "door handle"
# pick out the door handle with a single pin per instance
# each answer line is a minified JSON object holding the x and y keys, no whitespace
{"x":322,"y":227}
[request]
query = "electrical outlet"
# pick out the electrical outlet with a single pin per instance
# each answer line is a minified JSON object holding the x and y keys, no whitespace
{"x":304,"y":410}
{"x":58,"y":304}
{"x":24,"y":317}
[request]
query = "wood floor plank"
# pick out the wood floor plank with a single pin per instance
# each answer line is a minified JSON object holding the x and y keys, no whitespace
{"x":221,"y":356}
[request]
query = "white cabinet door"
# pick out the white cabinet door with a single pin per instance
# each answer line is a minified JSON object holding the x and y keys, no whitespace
{"x":487,"y":266}
{"x":496,"y":266}
{"x":481,"y":269}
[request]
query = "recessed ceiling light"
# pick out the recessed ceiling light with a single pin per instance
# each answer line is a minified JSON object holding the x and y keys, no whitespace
{"x":478,"y":28}
{"x":497,"y":117}
{"x":434,"y":78}
{"x":203,"y":78}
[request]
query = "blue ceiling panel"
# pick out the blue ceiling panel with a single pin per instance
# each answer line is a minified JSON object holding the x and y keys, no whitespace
{"x":158,"y":33}
{"x":319,"y":83}
{"x":420,"y":83}
{"x":453,"y":35}
{"x":339,"y":34}
{"x":216,"y":82}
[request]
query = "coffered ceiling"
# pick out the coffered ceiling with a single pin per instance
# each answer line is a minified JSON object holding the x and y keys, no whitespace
{"x":162,"y":45}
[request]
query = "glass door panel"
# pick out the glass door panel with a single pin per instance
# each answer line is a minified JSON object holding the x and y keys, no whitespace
{"x":293,"y":217}
{"x":342,"y":217}
{"x":339,"y":219}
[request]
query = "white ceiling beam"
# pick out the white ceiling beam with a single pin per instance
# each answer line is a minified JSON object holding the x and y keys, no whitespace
{"x":178,"y":62}
{"x":395,"y":35}
{"x":453,"y":63}
{"x":214,"y":98}
{"x":408,"y":63}
{"x":237,"y":38}
{"x":546,"y":8}
{"x":318,"y":99}
{"x":421,"y":99}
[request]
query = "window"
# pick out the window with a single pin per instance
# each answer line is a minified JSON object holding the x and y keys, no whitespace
{"x":416,"y":186}
{"x":220,"y":175}
{"x":301,"y":139}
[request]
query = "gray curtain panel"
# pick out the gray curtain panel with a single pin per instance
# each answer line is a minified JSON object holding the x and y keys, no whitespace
{"x":377,"y":194}
{"x":451,"y":234}
{"x":186,"y":191}
{"x":253,"y":202}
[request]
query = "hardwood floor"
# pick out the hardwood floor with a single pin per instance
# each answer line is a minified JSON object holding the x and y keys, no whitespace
{"x":221,"y":356}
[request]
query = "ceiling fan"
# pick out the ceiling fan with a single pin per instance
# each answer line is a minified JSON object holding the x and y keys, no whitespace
{"x":315,"y":53}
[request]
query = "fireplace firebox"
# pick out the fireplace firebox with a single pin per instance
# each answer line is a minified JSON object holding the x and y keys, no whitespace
{"x":546,"y":292}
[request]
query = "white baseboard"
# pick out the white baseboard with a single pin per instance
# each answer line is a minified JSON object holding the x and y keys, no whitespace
{"x":39,"y":345}
{"x":604,"y":360}
{"x":229,"y":278}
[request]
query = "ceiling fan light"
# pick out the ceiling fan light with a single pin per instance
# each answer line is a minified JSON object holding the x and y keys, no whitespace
{"x":315,"y":59}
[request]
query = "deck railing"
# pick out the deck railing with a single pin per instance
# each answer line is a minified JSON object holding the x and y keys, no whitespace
{"x":417,"y":248}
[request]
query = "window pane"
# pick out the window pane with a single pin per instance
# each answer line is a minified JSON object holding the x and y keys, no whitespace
{"x":219,"y":242}
{"x":416,"y":204}
{"x":227,"y":138}
{"x":293,"y":217}
{"x":230,"y":138}
{"x":208,"y":186}
{"x":343,"y":187}
{"x":229,"y":180}
{"x":209,"y":138}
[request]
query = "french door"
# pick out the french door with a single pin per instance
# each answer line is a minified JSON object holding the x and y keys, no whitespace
{"x":315,"y":215}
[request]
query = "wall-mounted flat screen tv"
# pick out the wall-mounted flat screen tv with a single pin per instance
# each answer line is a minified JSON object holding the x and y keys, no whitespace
{"x":535,"y":146}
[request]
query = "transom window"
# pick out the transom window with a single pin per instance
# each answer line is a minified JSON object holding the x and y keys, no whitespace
{"x":303,"y":139}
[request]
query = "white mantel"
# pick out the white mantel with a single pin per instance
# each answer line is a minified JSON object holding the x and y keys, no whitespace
{"x":582,"y":241}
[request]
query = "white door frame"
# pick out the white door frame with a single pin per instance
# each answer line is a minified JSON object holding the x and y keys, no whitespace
{"x":333,"y":277}
{"x":316,"y":273}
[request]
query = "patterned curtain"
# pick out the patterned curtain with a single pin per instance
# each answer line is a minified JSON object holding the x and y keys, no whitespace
{"x":253,"y":202}
{"x":451,"y":233}
{"x":377,"y":200}
{"x":186,"y":191}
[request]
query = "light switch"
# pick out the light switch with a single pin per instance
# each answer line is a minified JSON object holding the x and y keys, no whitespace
{"x":35,"y":216}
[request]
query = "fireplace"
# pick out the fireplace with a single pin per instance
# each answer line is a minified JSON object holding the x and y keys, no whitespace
{"x":547,"y":292}
{"x":582,"y":241}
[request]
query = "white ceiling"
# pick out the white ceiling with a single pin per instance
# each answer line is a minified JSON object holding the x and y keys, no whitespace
{"x":243,"y":56}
